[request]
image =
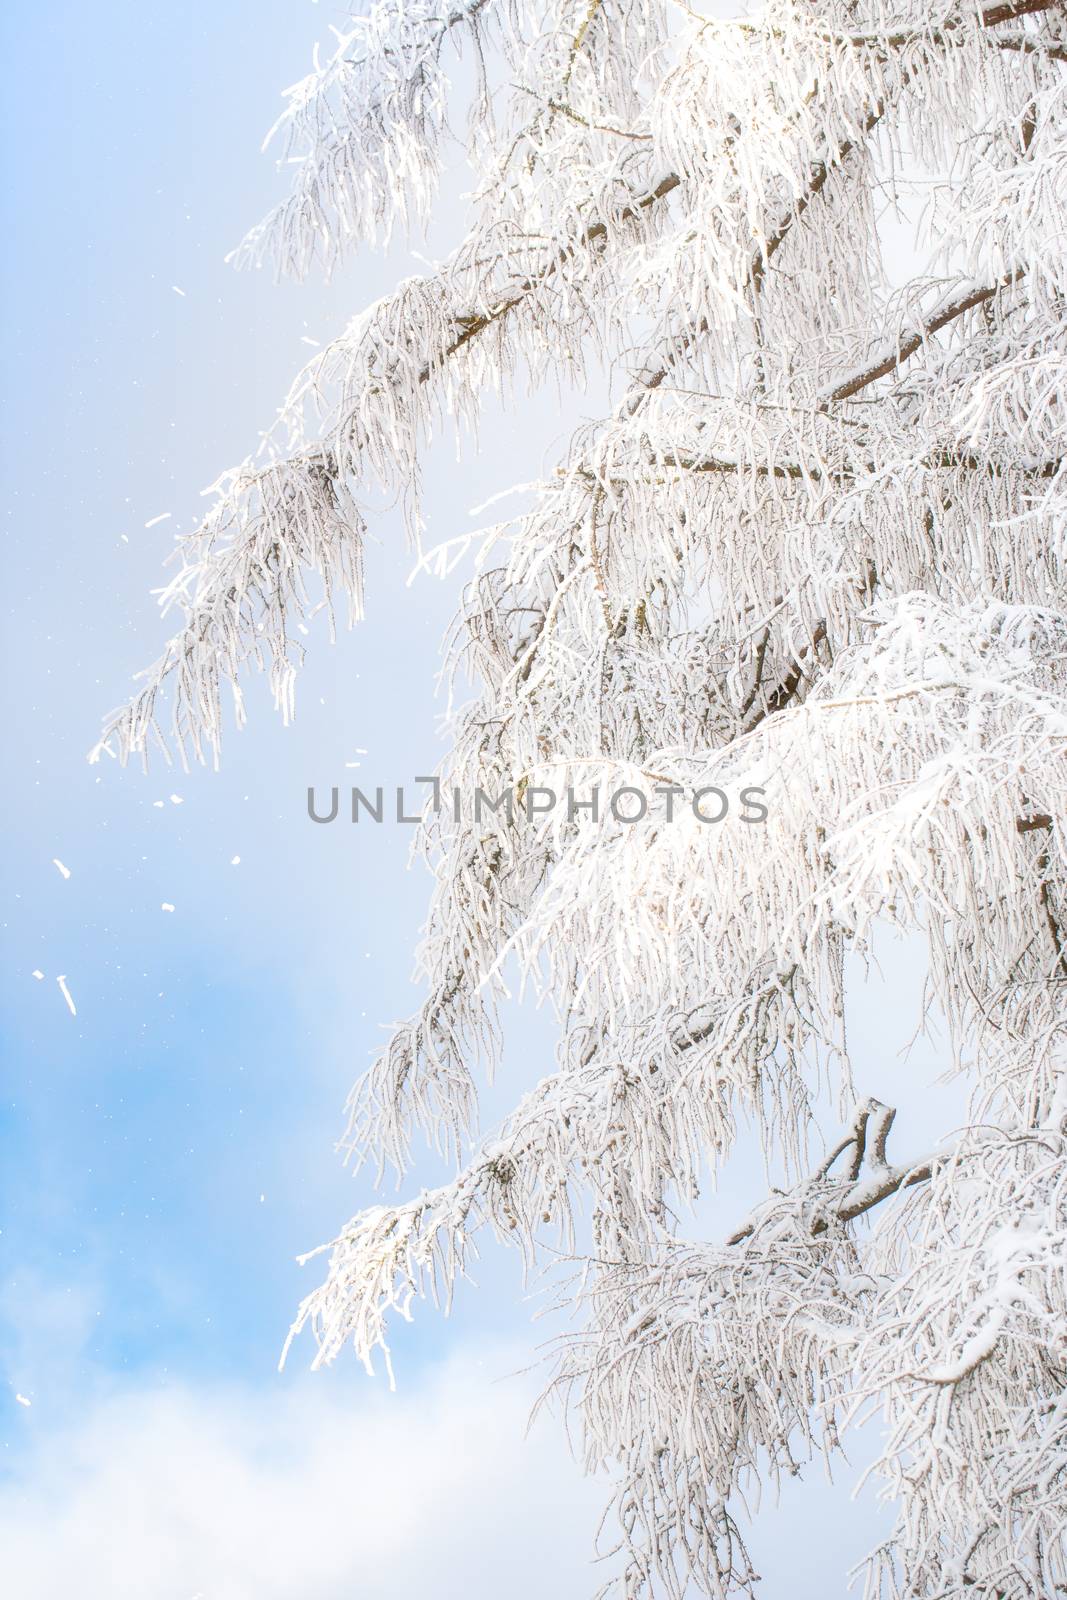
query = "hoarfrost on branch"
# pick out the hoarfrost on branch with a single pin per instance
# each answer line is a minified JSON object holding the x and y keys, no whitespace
{"x":819,"y":544}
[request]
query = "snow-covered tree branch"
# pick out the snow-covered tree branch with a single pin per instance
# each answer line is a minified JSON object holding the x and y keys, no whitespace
{"x":815,"y":552}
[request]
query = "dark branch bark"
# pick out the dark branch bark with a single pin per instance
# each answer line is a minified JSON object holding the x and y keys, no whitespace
{"x":853,"y":1196}
{"x":946,"y":460}
{"x":1017,"y":8}
{"x":910,"y":342}
{"x":469,"y":328}
{"x":787,"y":686}
{"x":1034,"y":47}
{"x":1052,"y":922}
{"x":1025,"y":824}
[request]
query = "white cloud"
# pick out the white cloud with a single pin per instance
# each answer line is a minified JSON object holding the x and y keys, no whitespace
{"x":270,"y":1493}
{"x":327,"y":1486}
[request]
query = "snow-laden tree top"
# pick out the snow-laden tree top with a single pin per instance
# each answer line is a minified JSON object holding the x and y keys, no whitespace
{"x":816,"y":549}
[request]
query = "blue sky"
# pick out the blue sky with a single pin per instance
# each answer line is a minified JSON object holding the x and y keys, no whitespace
{"x":168,"y":1151}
